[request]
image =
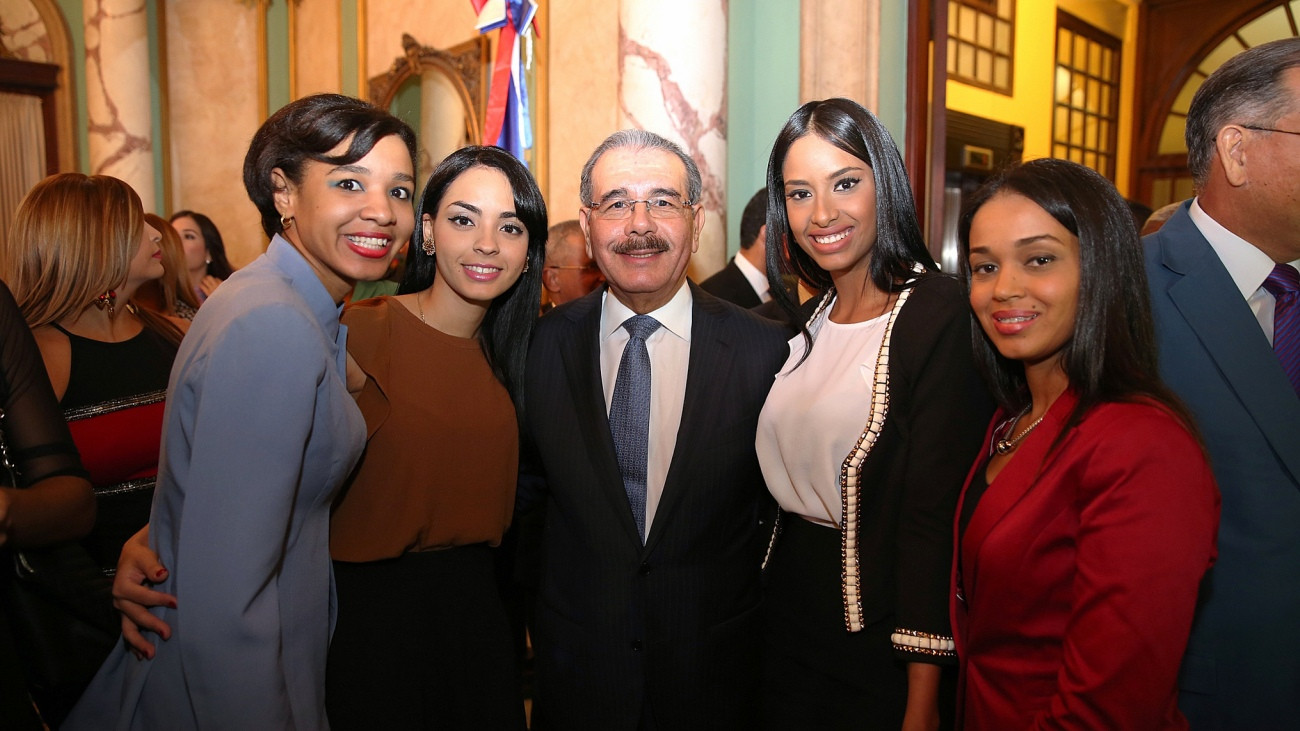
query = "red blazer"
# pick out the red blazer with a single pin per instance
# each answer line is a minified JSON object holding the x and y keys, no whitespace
{"x":1076,"y":578}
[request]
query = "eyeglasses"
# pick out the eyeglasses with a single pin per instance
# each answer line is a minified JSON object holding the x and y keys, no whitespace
{"x":1269,"y":129}
{"x":617,"y":209}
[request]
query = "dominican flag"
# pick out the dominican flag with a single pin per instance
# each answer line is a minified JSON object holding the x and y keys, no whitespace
{"x":507,"y":123}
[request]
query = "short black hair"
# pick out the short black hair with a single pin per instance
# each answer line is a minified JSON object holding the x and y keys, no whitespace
{"x":753,"y":218}
{"x":508,"y":324}
{"x":307,"y":129}
{"x":1112,"y":354}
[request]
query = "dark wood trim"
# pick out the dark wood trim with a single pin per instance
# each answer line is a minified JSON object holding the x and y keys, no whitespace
{"x":41,"y":80}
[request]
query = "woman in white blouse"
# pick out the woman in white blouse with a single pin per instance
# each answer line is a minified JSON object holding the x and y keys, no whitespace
{"x":865,"y":437}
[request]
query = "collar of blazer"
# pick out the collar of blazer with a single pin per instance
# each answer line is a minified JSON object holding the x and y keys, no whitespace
{"x":1212,"y":308}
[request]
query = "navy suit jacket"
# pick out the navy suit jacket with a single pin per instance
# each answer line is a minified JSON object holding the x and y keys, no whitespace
{"x":665,"y":633}
{"x":1242,"y":668}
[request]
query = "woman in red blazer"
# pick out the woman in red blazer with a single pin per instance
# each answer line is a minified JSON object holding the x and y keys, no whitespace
{"x":1085,"y":529}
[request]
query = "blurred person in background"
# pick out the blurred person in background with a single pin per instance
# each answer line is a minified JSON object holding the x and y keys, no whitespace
{"x":205,"y":252}
{"x":171,"y":294}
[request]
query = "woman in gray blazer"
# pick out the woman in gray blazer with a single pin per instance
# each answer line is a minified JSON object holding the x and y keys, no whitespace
{"x":260,"y":432}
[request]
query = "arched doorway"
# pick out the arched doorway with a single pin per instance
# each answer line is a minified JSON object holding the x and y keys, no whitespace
{"x":1183,"y":42}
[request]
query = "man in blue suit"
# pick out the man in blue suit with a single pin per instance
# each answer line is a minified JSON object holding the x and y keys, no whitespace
{"x":1215,"y":320}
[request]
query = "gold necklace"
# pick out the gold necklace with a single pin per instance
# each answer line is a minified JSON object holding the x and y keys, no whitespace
{"x":420,"y":306}
{"x":1004,"y":446}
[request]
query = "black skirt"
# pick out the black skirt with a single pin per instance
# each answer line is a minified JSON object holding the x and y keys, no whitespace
{"x":817,"y":674}
{"x":422,"y":642}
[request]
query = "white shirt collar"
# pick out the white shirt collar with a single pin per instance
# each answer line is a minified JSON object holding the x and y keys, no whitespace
{"x":757,"y":279}
{"x":674,"y":316}
{"x":1246,"y":264}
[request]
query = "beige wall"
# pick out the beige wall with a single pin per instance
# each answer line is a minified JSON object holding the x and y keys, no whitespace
{"x":583,"y":76}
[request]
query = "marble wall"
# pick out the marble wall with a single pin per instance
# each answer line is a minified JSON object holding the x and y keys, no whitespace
{"x":118,"y":92}
{"x":23,"y":32}
{"x":213,"y":110}
{"x":317,"y":42}
{"x":673,"y":81}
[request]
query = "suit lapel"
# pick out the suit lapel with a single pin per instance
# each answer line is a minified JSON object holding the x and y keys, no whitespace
{"x":1010,"y":486}
{"x":581,"y":357}
{"x":1212,"y":306}
{"x":709,"y":364}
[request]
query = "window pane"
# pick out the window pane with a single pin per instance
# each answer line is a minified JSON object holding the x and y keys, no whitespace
{"x":1080,"y":54}
{"x":1107,"y":56}
{"x":952,"y":56}
{"x":1076,"y":128}
{"x":1094,"y":59}
{"x":966,"y":61}
{"x":1076,"y":155}
{"x":1090,"y":159}
{"x":1090,"y":132}
{"x":1104,"y":105}
{"x":984,"y":66}
{"x":1093,"y":101}
{"x":1005,"y":9}
{"x":984,"y":31}
{"x":1001,"y":73}
{"x":1002,"y":38}
{"x":953,"y":9}
{"x":966,"y":24}
{"x":1063,"y":46}
{"x":1061,"y":125}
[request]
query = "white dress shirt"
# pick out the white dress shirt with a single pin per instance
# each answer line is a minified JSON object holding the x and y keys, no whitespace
{"x":670,"y":352}
{"x":1246,"y":264}
{"x":757,"y":279}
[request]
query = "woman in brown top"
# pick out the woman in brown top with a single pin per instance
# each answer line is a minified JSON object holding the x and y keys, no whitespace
{"x":422,"y":639}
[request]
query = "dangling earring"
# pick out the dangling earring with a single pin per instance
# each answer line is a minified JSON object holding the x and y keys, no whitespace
{"x":526,"y":263}
{"x":428,"y":247}
{"x":106,"y":300}
{"x":286,"y":222}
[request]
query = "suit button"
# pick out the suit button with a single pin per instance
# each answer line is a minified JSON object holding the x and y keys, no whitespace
{"x":644,"y":570}
{"x":636,"y":645}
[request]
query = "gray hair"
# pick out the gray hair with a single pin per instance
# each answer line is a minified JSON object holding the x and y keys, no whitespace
{"x":558,"y":233}
{"x":1247,"y":89}
{"x":643,"y":140}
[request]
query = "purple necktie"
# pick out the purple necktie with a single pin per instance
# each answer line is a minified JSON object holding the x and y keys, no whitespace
{"x":1284,"y":284}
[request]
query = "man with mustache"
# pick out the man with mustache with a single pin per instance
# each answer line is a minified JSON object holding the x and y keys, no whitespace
{"x":643,"y":400}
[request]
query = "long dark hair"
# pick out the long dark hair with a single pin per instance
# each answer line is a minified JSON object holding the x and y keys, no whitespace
{"x":899,"y":244}
{"x":508,"y":324}
{"x":1112,"y":354}
{"x":219,"y":266}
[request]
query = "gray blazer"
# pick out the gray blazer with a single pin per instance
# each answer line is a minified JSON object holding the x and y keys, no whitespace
{"x":259,"y":434}
{"x":1242,"y":668}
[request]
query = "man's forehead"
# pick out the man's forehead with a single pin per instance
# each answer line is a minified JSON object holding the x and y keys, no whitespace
{"x":637,"y":169}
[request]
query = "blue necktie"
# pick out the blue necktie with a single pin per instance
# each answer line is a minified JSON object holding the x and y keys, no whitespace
{"x":629,"y":414}
{"x":1284,"y":284}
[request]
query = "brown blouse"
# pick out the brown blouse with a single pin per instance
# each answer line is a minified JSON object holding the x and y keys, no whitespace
{"x":442,"y":455}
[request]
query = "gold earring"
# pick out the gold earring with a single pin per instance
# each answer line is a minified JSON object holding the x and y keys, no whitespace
{"x":525,"y":271}
{"x":428,"y":247}
{"x":286,"y":222}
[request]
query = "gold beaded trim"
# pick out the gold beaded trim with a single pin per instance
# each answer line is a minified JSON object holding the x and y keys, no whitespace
{"x":851,"y":470}
{"x":108,"y":407}
{"x":910,"y":640}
